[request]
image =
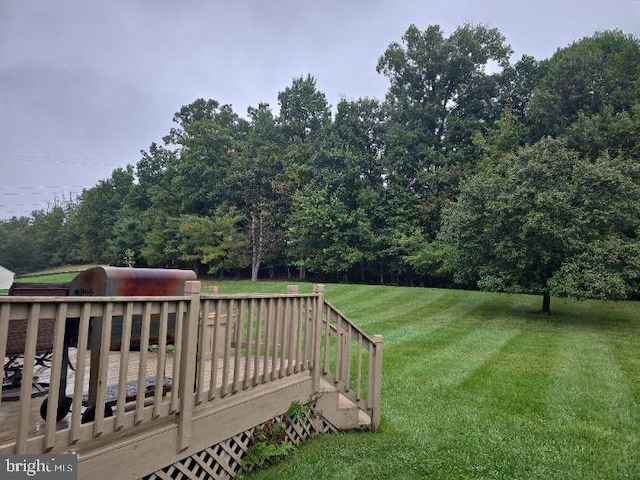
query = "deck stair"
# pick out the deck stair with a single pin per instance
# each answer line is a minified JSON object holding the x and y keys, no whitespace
{"x":339,"y":410}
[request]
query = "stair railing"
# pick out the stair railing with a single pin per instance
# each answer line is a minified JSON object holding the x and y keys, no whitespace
{"x":349,"y":358}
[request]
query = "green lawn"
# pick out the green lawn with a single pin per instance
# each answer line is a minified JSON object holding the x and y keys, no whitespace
{"x":49,"y":278}
{"x":44,"y":278}
{"x":479,"y":385}
{"x":52,"y":275}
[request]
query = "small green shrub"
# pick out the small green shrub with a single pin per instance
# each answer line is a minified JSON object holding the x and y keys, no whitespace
{"x":269,"y":443}
{"x":298,"y":411}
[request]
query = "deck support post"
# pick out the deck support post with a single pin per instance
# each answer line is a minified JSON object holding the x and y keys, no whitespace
{"x":377,"y":382}
{"x":316,"y":368}
{"x":188,"y":365}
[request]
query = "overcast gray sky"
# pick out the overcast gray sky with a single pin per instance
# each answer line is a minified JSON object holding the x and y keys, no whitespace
{"x":85,"y":85}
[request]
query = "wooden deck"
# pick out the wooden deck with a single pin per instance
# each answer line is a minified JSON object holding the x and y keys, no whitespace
{"x":238,"y":361}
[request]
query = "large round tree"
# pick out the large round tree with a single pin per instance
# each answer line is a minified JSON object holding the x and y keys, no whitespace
{"x":543,"y":221}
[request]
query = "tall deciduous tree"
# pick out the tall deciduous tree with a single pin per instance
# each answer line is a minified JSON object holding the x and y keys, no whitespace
{"x":206,"y":137}
{"x":440,"y":95}
{"x":304,"y":117}
{"x":98,"y":212}
{"x":155,"y":173}
{"x":50,"y":228}
{"x":304,"y":111}
{"x":360,"y":128}
{"x":544,"y":220}
{"x":517,"y":83}
{"x":255,"y":183}
{"x":303,"y":120}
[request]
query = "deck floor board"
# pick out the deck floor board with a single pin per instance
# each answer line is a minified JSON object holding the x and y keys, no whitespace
{"x":10,"y":406}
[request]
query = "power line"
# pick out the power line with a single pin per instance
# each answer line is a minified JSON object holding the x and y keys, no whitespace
{"x":57,"y":159}
{"x":24,"y":200}
{"x":18,"y":191}
{"x":29,"y":187}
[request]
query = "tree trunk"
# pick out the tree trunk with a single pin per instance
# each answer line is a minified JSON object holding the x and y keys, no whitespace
{"x":546,"y":302}
{"x":257,"y":242}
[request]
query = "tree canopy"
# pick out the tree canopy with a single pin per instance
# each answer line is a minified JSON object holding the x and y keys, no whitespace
{"x":545,"y":220}
{"x":474,"y":170}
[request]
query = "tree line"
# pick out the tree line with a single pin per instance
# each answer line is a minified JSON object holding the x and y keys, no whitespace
{"x":474,"y":171}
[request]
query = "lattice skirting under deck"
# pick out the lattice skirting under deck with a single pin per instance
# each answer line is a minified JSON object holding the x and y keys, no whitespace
{"x":224,"y":460}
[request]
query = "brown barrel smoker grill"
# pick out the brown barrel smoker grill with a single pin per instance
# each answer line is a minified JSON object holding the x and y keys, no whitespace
{"x":109,"y":282}
{"x":132,"y":282}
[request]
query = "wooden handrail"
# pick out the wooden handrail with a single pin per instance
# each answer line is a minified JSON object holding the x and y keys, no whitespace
{"x":345,"y":345}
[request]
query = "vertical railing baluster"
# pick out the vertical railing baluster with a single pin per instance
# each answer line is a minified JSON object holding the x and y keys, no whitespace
{"x":81,"y":365}
{"x":287,"y":338}
{"x":5,"y":311}
{"x":259,"y":343}
{"x":326,"y":324}
{"x":161,"y":359}
{"x":346,"y":358}
{"x":226,"y":357}
{"x":359,"y":369}
{"x":239,"y":338}
{"x":213,"y":375}
{"x":252,"y":345}
{"x":123,"y":376}
{"x":103,"y":370}
{"x":57,"y":364}
{"x":283,"y":336}
{"x":267,"y":340}
{"x":27,"y":376}
{"x":338,"y":354}
{"x":299,"y":335}
{"x":177,"y":357}
{"x":274,"y":359}
{"x":290,"y":330}
{"x":203,"y":338}
{"x":307,"y":320}
{"x":295,"y":336}
{"x":142,"y":366}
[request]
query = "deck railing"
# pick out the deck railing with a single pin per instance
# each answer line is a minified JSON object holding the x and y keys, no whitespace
{"x":140,"y":360}
{"x":352,"y":361}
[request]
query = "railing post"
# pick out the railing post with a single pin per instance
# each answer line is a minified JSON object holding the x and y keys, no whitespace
{"x":188,"y":365}
{"x":318,"y":289}
{"x":377,"y":383}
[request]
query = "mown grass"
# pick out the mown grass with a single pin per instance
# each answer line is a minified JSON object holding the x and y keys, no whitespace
{"x":480,"y":385}
{"x":48,"y":278}
{"x":63,"y":274}
{"x":44,"y":278}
